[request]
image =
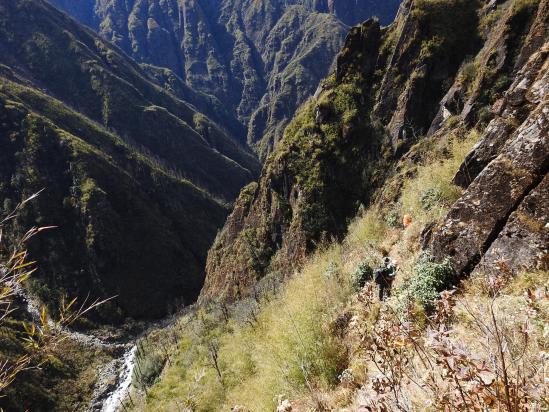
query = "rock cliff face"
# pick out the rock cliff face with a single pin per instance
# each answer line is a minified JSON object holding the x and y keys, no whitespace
{"x":443,"y":65}
{"x":501,"y":220}
{"x":261,"y":58}
{"x":135,"y":179}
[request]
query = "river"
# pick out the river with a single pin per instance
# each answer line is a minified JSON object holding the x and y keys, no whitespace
{"x":114,"y":379}
{"x":118,"y":395}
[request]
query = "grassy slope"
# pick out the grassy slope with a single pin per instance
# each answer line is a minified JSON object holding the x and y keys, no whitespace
{"x":309,"y":340}
{"x":294,"y":341}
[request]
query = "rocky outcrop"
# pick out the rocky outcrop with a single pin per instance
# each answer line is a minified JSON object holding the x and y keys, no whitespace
{"x":354,"y":11}
{"x":501,"y":214}
{"x":523,"y":244}
{"x":428,"y":49}
{"x":363,"y":40}
{"x":332,"y":155}
{"x":494,"y":66}
{"x":524,"y":95}
{"x":392,"y":87}
{"x":298,"y":52}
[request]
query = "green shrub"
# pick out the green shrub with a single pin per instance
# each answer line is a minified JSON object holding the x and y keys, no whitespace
{"x":429,"y":278}
{"x":430,"y":198}
{"x":469,"y":72}
{"x":361,"y":275}
{"x":501,"y":84}
{"x":453,"y":121}
{"x":148,"y":369}
{"x":393,"y":215}
{"x":485,"y":115}
{"x":331,"y":270}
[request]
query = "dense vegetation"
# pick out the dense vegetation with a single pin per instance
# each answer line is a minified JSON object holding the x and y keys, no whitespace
{"x":136,"y":180}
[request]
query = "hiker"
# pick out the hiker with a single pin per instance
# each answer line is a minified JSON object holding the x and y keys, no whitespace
{"x":384,"y":277}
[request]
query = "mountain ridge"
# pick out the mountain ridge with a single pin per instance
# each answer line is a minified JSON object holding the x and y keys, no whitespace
{"x":132,"y":168}
{"x":260,"y":58}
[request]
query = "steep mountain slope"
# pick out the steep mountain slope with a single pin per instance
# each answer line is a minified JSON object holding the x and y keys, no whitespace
{"x":261,"y":58}
{"x":438,"y":125}
{"x":393,"y":88}
{"x":136,"y":179}
{"x":367,"y":169}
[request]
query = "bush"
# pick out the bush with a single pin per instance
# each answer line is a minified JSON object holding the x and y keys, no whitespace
{"x":469,"y":72}
{"x":429,"y":278}
{"x":430,"y":198}
{"x":393,"y":215}
{"x":485,"y":115}
{"x":453,"y":121}
{"x":361,"y":275}
{"x":148,"y":370}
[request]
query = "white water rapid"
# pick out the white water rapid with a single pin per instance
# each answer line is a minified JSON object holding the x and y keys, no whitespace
{"x":116,"y":397}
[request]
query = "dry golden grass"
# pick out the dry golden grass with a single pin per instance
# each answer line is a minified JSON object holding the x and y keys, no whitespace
{"x":493,"y":342}
{"x":287,"y":348}
{"x":284,"y":348}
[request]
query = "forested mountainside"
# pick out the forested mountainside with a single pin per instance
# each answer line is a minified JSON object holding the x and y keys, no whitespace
{"x":443,"y":68}
{"x":261,"y":58}
{"x":137,"y":180}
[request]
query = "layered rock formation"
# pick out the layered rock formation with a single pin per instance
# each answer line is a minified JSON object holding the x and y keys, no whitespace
{"x":501,"y":220}
{"x":261,"y":58}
